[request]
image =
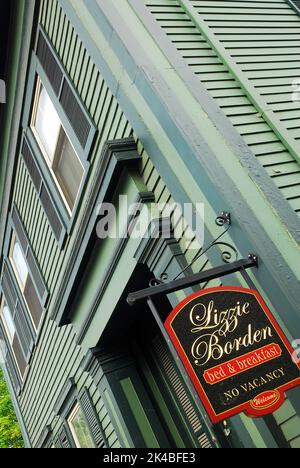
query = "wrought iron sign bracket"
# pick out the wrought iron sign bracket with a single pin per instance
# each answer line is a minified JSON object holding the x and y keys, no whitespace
{"x":224,"y":218}
{"x":163,"y":287}
{"x":196,"y":279}
{"x":148,"y":295}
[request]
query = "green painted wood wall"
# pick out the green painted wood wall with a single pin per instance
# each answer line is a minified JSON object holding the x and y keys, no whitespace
{"x":57,"y":357}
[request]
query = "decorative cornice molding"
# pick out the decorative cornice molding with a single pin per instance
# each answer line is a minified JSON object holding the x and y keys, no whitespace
{"x":158,"y":250}
{"x":99,"y":363}
{"x":115,"y":258}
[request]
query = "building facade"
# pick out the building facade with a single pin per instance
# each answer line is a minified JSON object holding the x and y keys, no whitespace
{"x":165,"y":101}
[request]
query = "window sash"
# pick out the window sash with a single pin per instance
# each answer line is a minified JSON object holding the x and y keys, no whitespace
{"x":8,"y":322}
{"x":67,"y":163}
{"x":24,"y":285}
{"x":68,"y":192}
{"x":13,"y":341}
{"x":77,"y":123}
{"x":19,"y":265}
{"x":43,"y":113}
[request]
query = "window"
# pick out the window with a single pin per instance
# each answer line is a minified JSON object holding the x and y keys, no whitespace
{"x":79,"y":428}
{"x":19,"y":263}
{"x":64,"y":164}
{"x":24,"y":279}
{"x":10,"y":330}
{"x":8,"y":323}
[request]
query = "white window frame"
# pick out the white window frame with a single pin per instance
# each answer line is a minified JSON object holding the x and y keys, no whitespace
{"x":3,"y":303}
{"x":73,"y":414}
{"x":38,"y":86}
{"x":22,"y":286}
{"x":13,"y":242}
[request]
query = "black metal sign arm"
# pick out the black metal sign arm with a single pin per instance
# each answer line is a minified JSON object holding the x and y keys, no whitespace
{"x":198,"y":278}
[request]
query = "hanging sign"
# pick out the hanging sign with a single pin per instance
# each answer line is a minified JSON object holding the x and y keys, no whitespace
{"x":234,"y":352}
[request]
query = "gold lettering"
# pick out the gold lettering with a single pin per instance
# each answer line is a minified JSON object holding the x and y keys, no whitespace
{"x":264,"y":380}
{"x":207,"y":347}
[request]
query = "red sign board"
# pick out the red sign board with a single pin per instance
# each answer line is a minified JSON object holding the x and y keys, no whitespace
{"x":234,"y":352}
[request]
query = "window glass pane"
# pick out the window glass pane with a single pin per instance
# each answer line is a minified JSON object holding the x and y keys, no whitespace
{"x":68,"y":170}
{"x":80,"y":429}
{"x":47,"y":123}
{"x":66,"y":166}
{"x":20,"y":263}
{"x":9,"y":324}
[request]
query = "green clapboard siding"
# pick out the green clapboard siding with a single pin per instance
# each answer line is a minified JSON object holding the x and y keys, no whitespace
{"x":56,"y":356}
{"x":288,"y":421}
{"x":267,"y":56}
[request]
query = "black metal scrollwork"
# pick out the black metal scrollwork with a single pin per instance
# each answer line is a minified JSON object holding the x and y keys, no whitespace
{"x":223,"y":219}
{"x":155,"y":282}
{"x":161,"y":280}
{"x":228,"y":255}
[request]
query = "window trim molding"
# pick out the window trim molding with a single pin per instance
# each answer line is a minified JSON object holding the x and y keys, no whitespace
{"x":51,"y":163}
{"x":4,"y":304}
{"x":83,"y":154}
{"x":12,"y":228}
{"x":14,"y":240}
{"x":36,"y":72}
{"x":34,"y":332}
{"x":66,"y":78}
{"x":40,"y":73}
{"x":61,"y":214}
{"x":9,"y":343}
{"x":15,"y":379}
{"x":77,"y":408}
{"x":67,"y":400}
{"x":20,"y":301}
{"x":64,"y":432}
{"x":21,"y":379}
